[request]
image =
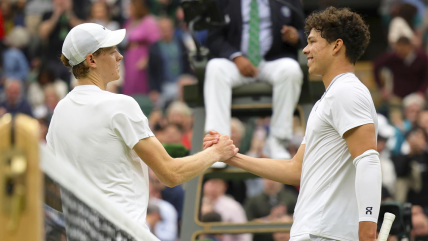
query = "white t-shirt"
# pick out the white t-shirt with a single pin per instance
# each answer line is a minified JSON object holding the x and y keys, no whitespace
{"x":95,"y":131}
{"x":327,"y":204}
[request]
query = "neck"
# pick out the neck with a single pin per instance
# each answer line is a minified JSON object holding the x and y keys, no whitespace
{"x":92,"y":79}
{"x":335,"y":70}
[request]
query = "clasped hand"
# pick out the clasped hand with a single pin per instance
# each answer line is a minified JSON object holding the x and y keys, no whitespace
{"x":222,"y":143}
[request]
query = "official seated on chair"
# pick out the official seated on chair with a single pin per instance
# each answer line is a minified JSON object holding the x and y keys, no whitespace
{"x":258,"y":43}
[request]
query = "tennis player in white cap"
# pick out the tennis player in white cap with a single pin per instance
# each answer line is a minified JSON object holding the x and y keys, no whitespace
{"x":106,"y":136}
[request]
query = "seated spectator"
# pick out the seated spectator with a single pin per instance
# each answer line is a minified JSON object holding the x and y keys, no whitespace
{"x":173,"y":134}
{"x":281,"y":236}
{"x":210,"y":217}
{"x":412,"y":104}
{"x":36,"y":90}
{"x":142,"y":31}
{"x":412,"y":171}
{"x":231,"y":211}
{"x":183,"y":81}
{"x":153,"y":216}
{"x":168,"y":60}
{"x":272,"y":204}
{"x":100,"y":13}
{"x":15,"y":102}
{"x":422,"y":121}
{"x":420,"y":227}
{"x":53,"y":30}
{"x":15,"y":64}
{"x":257,"y":48}
{"x":179,"y":113}
{"x":11,"y":16}
{"x":385,"y":132}
{"x":166,"y":228}
{"x":408,"y":68}
{"x":405,"y":22}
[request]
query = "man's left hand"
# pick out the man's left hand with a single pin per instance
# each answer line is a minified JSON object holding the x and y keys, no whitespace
{"x":290,"y":35}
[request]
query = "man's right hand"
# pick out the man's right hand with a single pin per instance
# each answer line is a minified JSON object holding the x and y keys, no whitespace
{"x":246,"y":68}
{"x":225,"y":148}
{"x":210,"y":139}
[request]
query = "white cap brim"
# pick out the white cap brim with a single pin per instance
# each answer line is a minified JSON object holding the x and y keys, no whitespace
{"x":115,"y":38}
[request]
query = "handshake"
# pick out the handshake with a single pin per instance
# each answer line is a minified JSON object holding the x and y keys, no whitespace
{"x":222,"y":145}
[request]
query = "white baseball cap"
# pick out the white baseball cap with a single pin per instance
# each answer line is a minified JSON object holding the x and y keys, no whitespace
{"x":87,"y":38}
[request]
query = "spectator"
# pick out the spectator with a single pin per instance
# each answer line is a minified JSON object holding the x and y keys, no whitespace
{"x":142,"y":31}
{"x":412,"y":171}
{"x":183,"y":81}
{"x":404,"y":24}
{"x":15,"y":64}
{"x":153,"y":216}
{"x":100,"y":14}
{"x":281,"y":236}
{"x":408,"y":67}
{"x":11,"y":17}
{"x":262,"y":47}
{"x":179,"y":113}
{"x":166,"y":228}
{"x":53,"y":30}
{"x":422,"y":121}
{"x":36,"y":90}
{"x":386,"y":131}
{"x":272,"y":204}
{"x":168,"y":60}
{"x":15,"y":102}
{"x":173,"y":134}
{"x":211,"y":217}
{"x":230,"y":210}
{"x":420,"y":227}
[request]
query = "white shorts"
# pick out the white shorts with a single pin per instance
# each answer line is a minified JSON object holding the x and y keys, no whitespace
{"x":309,"y":237}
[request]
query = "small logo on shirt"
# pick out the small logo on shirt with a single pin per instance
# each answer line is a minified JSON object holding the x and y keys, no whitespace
{"x":285,"y":11}
{"x":369,"y":210}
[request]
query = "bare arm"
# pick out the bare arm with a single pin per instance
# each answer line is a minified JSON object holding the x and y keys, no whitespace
{"x":172,"y":172}
{"x":284,"y":171}
{"x":360,"y":140}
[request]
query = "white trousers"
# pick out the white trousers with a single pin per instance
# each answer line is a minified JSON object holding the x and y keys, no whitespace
{"x":222,"y":75}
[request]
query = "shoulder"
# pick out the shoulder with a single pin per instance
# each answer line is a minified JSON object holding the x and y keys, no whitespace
{"x":346,"y":87}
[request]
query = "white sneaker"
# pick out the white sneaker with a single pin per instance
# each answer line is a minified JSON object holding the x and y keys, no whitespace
{"x":219,"y":165}
{"x":276,"y":148}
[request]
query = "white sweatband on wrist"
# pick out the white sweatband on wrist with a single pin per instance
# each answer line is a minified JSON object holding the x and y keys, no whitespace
{"x":368,"y":185}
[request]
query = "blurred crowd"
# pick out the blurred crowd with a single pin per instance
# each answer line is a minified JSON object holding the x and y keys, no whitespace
{"x":155,"y":69}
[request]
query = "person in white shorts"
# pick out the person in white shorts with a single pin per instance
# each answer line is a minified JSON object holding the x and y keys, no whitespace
{"x":336,"y":166}
{"x":106,"y":136}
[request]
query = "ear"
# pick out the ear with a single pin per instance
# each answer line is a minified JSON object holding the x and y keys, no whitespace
{"x":337,"y":46}
{"x":90,"y":61}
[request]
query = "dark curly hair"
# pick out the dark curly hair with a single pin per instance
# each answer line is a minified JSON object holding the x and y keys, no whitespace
{"x":334,"y":23}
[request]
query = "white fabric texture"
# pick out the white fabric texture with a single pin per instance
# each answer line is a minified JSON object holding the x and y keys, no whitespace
{"x":327,"y":204}
{"x":95,"y":131}
{"x":368,"y":185}
{"x":222,"y":75}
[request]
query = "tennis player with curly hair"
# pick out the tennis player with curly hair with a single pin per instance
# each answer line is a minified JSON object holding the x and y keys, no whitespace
{"x":337,"y":166}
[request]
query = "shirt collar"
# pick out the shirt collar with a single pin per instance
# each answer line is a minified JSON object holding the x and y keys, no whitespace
{"x":86,"y":87}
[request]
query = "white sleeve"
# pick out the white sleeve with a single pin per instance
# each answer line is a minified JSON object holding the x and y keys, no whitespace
{"x":350,"y":107}
{"x":303,"y":141}
{"x":368,"y":185}
{"x":130,"y":124}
